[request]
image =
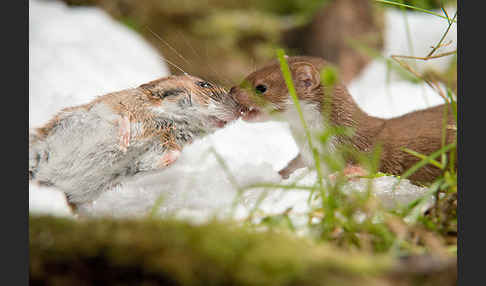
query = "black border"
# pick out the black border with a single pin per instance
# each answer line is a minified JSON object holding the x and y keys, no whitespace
{"x":15,"y":208}
{"x":471,"y":113}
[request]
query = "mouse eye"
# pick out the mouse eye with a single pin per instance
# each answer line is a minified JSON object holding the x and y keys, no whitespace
{"x":170,"y":92}
{"x":204,"y":84}
{"x":260,"y":88}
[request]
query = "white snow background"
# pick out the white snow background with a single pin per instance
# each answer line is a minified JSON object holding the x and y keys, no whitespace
{"x":78,"y":53}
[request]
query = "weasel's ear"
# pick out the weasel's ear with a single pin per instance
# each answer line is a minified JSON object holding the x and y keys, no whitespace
{"x":306,"y":76}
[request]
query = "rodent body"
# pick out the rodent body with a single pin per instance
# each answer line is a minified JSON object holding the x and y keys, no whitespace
{"x":264,"y":93}
{"x":87,"y":149}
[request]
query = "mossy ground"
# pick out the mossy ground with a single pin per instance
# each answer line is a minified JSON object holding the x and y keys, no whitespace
{"x":167,"y":252}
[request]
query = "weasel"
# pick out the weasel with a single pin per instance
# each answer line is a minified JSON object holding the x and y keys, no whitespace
{"x":264,"y":93}
{"x":90,"y":148}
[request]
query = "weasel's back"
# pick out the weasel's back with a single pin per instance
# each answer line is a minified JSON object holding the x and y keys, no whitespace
{"x":420,"y":131}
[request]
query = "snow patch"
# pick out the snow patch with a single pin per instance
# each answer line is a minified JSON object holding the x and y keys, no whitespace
{"x":45,"y":200}
{"x":385,"y":99}
{"x":76,"y":54}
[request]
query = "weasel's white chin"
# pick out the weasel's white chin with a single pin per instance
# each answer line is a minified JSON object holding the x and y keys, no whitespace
{"x":255,"y":115}
{"x":258,"y":118}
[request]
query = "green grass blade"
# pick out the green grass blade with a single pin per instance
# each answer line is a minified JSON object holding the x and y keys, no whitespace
{"x":427,"y":160}
{"x":424,"y":157}
{"x":290,"y":85}
{"x":415,"y":8}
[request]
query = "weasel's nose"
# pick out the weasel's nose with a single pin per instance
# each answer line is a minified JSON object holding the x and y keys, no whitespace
{"x":239,"y":95}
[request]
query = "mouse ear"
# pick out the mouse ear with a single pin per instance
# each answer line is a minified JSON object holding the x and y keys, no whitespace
{"x":306,"y":76}
{"x":148,"y":88}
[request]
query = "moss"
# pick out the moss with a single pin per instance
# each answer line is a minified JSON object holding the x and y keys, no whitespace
{"x":176,"y":252}
{"x":154,"y":252}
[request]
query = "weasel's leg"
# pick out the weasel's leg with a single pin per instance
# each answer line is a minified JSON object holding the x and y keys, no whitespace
{"x":169,"y":157}
{"x":354,"y":171}
{"x":293,"y":165}
{"x":351,"y":172}
{"x":124,"y":132}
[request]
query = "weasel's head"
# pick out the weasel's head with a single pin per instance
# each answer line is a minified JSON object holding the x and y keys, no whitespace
{"x":191,"y":99}
{"x":264,"y":93}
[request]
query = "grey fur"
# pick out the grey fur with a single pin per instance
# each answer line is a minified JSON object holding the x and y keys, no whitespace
{"x":81,"y":154}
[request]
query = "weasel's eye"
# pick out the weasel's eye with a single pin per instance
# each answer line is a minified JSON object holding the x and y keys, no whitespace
{"x":260,"y":88}
{"x":204,"y":84}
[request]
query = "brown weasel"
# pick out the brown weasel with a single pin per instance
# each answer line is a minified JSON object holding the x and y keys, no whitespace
{"x":87,"y":149}
{"x":264,"y":92}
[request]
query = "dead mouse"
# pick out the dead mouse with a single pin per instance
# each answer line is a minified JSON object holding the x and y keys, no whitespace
{"x":87,"y":149}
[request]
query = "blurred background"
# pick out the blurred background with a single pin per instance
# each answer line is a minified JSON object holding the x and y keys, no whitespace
{"x":223,"y":40}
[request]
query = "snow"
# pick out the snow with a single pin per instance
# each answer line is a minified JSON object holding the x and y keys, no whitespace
{"x":44,"y":200}
{"x":78,"y":53}
{"x":379,"y":98}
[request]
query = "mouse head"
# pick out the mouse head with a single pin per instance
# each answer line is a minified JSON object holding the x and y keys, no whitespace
{"x":191,"y":99}
{"x":264,"y":92}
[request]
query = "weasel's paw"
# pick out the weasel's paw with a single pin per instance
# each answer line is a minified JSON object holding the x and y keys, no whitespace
{"x":351,"y":173}
{"x":354,"y":171}
{"x":124,"y":132}
{"x":284,"y":173}
{"x":170,"y":157}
